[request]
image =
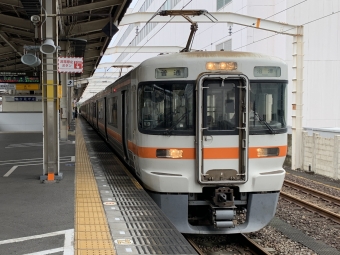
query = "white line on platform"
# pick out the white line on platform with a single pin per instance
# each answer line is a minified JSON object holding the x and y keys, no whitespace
{"x":46,"y":252}
{"x":28,"y":159}
{"x":36,"y":163}
{"x":68,"y":243}
{"x":10,"y":171}
{"x":21,"y":239}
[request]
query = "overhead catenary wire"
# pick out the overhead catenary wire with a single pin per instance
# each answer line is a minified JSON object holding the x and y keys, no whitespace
{"x":248,"y":27}
{"x":301,"y":25}
{"x":232,"y":33}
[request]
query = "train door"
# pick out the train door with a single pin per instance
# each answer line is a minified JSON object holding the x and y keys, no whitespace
{"x":125,"y":124}
{"x":222,"y":129}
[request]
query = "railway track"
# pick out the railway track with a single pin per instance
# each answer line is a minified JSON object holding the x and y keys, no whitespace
{"x":309,"y":205}
{"x":245,"y":244}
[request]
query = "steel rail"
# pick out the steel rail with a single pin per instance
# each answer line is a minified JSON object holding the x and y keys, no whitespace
{"x":194,"y":245}
{"x":313,"y":192}
{"x":254,"y":247}
{"x":241,"y":239}
{"x":333,"y":216}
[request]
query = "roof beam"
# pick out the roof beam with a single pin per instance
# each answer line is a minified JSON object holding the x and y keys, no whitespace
{"x":88,"y":68}
{"x":93,"y":45}
{"x":87,"y":27}
{"x":15,"y":67}
{"x":7,"y":41}
{"x":17,"y":31}
{"x":24,"y":42}
{"x":222,"y":17}
{"x":91,"y":6}
{"x":11,"y":62}
{"x":16,"y":22}
{"x":89,"y":62}
{"x":85,"y":74}
{"x":14,"y":3}
{"x":91,"y":54}
{"x":6,"y":50}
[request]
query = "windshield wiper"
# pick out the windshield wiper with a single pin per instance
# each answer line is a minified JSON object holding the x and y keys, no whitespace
{"x":272,"y":131}
{"x":167,"y":131}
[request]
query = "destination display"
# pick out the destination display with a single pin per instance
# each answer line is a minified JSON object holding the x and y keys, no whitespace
{"x":19,"y":77}
{"x":267,"y":71}
{"x":169,"y":73}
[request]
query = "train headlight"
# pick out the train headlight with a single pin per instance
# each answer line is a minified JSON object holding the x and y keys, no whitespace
{"x":268,"y":152}
{"x":169,"y":153}
{"x":221,"y":66}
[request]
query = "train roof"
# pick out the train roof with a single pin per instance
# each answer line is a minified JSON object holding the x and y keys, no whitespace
{"x":207,"y":55}
{"x":186,"y":58}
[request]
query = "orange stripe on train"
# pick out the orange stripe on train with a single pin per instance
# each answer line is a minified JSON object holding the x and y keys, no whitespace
{"x":190,"y":153}
{"x":209,"y":153}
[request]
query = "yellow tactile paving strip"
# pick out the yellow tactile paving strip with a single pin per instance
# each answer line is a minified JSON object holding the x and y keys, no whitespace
{"x":92,"y":235}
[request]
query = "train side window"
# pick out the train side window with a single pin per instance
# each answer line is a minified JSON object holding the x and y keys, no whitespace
{"x":112,"y":113}
{"x":166,"y":107}
{"x":100,"y":109}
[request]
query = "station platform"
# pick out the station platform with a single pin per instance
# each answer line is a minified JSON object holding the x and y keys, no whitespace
{"x":97,"y":208}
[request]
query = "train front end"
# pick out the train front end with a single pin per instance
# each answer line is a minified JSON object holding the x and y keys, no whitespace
{"x":213,"y":138}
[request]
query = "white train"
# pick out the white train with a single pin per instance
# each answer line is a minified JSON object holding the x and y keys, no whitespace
{"x":205,"y":132}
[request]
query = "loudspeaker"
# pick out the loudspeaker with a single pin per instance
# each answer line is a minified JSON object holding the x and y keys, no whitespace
{"x":30,"y":60}
{"x":106,"y":29}
{"x":48,"y":47}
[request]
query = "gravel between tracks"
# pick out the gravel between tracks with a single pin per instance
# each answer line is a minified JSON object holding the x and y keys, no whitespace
{"x":268,"y":237}
{"x":312,"y":225}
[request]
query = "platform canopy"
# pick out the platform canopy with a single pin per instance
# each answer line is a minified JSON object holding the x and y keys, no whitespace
{"x":88,"y":25}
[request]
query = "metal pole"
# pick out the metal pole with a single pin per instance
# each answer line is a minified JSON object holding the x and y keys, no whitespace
{"x":297,"y":98}
{"x":63,"y":100}
{"x":50,"y":98}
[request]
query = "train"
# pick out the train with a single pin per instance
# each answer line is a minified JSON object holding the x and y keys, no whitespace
{"x":205,"y":133}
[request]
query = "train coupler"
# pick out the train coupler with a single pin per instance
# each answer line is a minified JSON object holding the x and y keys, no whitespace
{"x":224,"y":197}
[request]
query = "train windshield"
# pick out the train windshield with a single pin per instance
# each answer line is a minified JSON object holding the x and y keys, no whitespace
{"x":166,"y":107}
{"x":267,"y":107}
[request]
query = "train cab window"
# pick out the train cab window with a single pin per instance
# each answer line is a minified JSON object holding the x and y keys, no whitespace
{"x":219,"y":106}
{"x":267,"y":104}
{"x":166,"y":107}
